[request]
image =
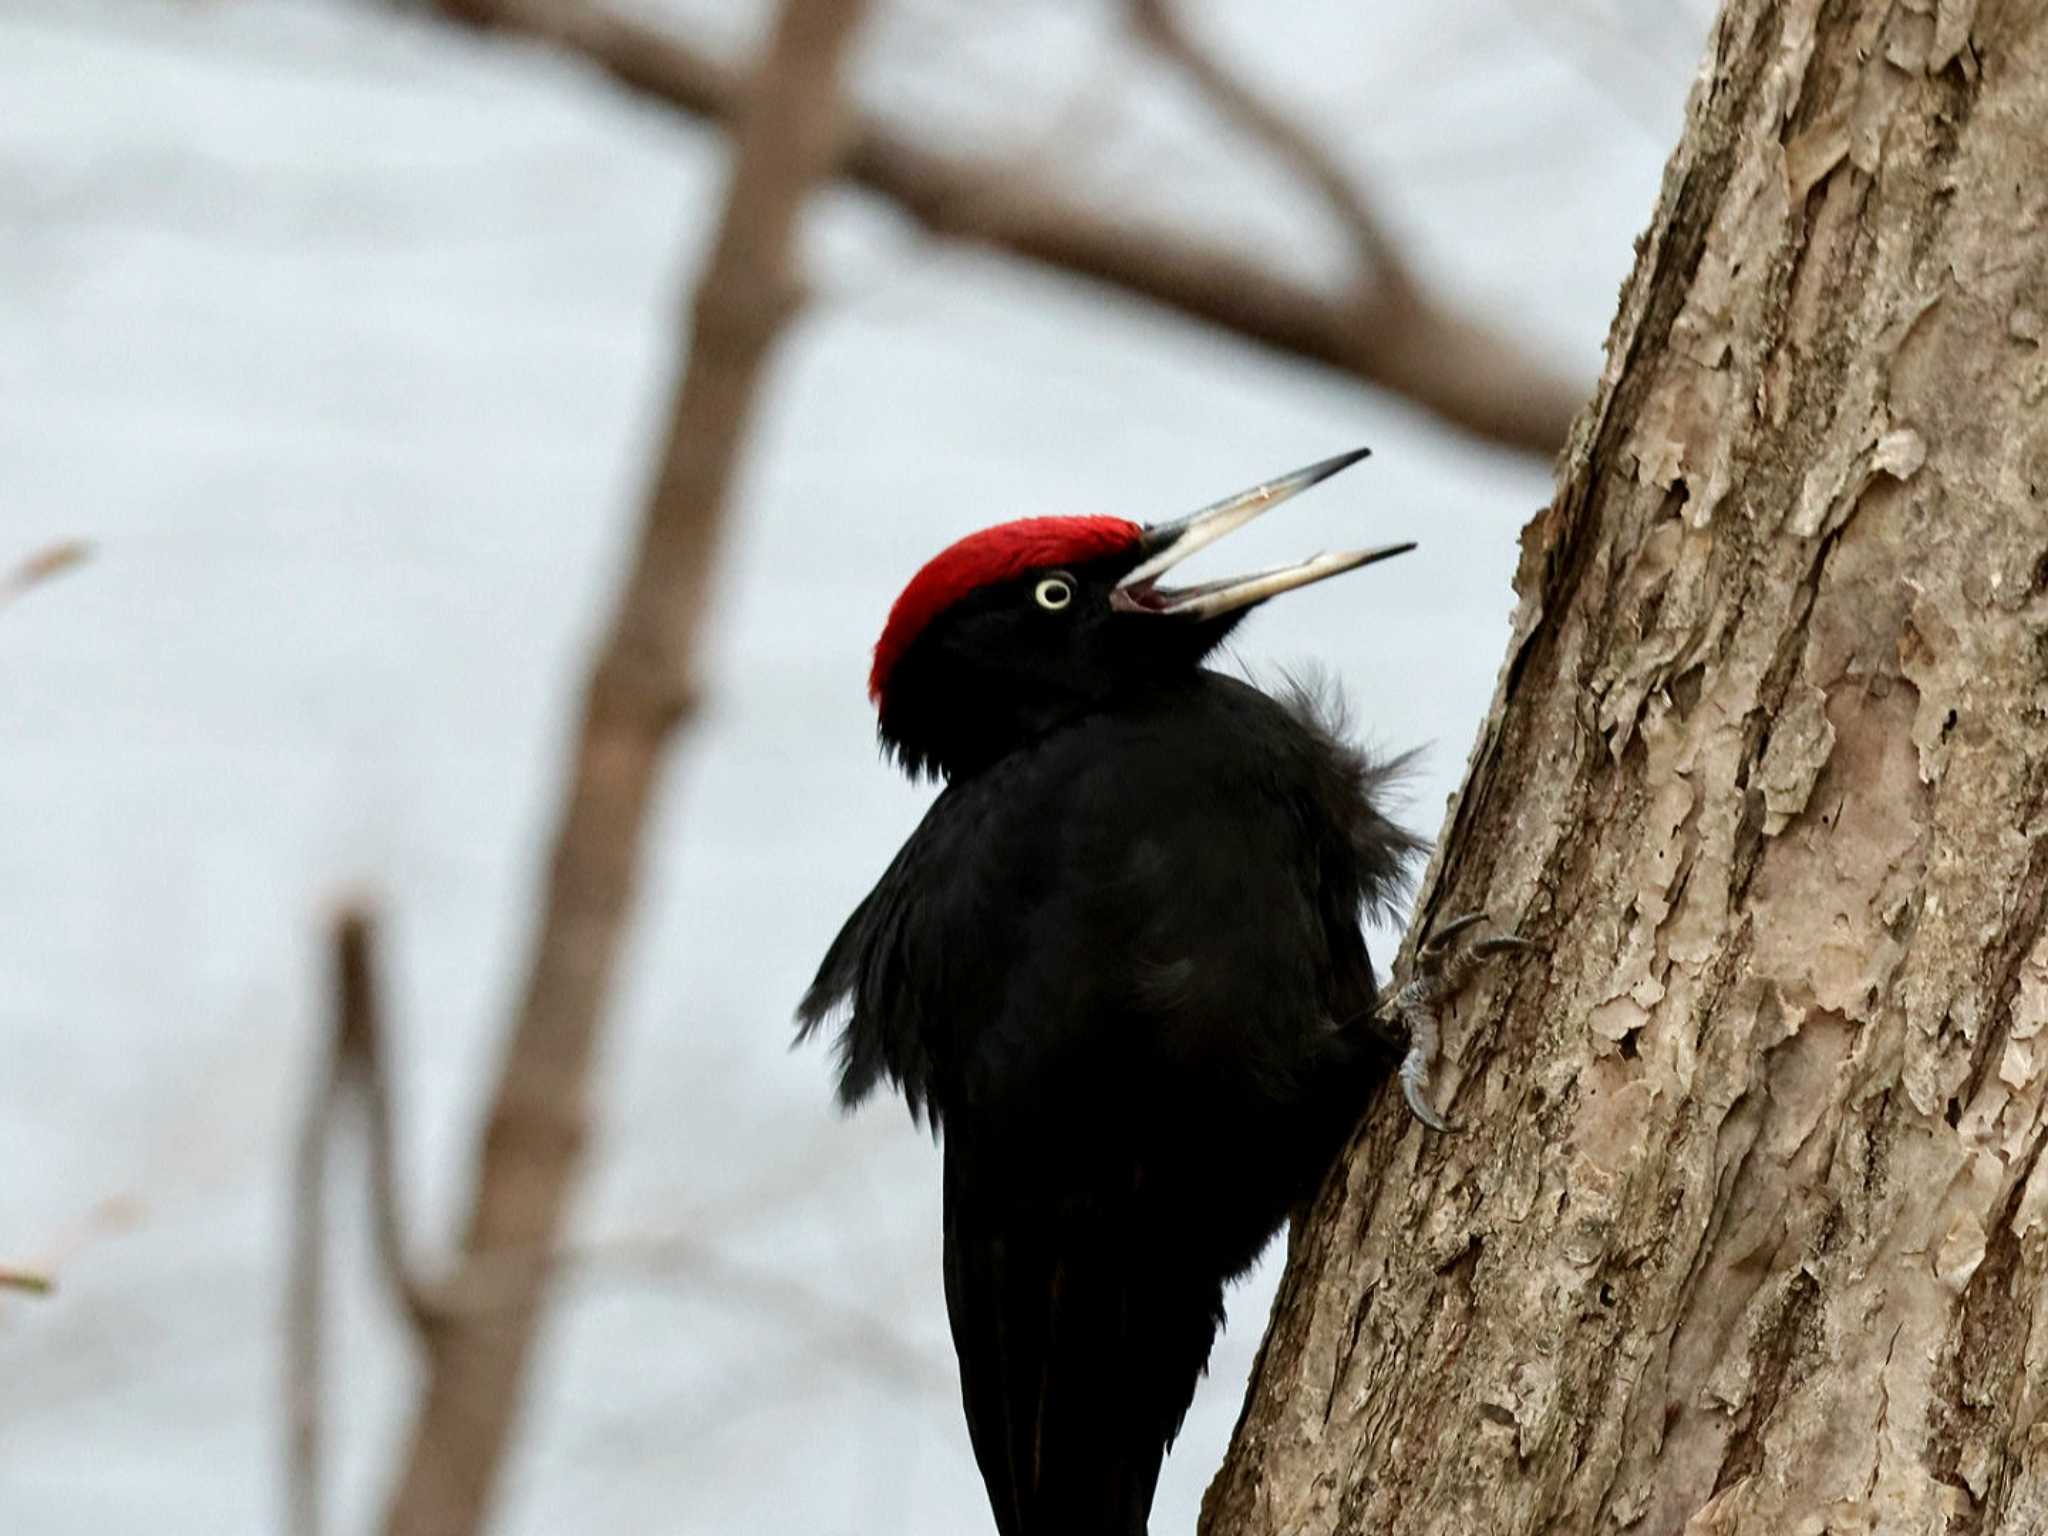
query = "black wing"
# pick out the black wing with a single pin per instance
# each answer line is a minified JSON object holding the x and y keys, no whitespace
{"x":885,"y":975}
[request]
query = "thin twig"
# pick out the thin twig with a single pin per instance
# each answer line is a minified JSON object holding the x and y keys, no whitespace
{"x":352,"y":1065}
{"x":492,"y":1285}
{"x":851,"y":1331}
{"x":1159,"y":23}
{"x":305,"y":1284}
{"x":38,"y":1276}
{"x":1404,"y":340}
{"x":360,"y":1042}
{"x":1429,"y":350}
{"x":41,"y":566}
{"x":639,"y":693}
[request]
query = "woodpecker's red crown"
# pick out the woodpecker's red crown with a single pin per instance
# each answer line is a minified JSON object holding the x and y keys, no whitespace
{"x":984,"y":559}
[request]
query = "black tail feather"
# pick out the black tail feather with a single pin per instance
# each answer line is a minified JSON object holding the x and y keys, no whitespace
{"x":1080,"y":1344}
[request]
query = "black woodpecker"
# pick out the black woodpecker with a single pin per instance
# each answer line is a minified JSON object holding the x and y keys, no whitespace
{"x":1119,"y":969}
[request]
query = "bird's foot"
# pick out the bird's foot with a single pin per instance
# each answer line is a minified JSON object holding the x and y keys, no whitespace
{"x":1411,"y":1015}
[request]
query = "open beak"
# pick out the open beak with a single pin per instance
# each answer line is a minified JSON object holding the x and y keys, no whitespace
{"x":1167,"y":544}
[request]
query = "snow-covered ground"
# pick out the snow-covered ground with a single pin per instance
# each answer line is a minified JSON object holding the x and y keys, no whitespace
{"x":343,"y":337}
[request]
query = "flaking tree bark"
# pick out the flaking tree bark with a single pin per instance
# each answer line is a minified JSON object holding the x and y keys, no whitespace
{"x":1748,"y":1229}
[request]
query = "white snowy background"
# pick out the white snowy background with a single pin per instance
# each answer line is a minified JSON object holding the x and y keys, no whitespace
{"x":344,"y":337}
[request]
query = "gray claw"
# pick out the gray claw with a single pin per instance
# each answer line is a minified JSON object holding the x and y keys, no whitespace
{"x":1414,"y":1088}
{"x":1447,"y":935}
{"x":1505,"y":943}
{"x":1442,"y":968}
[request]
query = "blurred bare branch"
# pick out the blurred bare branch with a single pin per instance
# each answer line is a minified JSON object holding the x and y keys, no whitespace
{"x":354,"y":1066}
{"x":641,"y":690}
{"x":360,"y":1043}
{"x":41,"y":566}
{"x":849,"y":1331}
{"x":490,"y":1284}
{"x":38,"y":1276}
{"x":1391,"y":332}
{"x":1436,"y":357}
{"x":1457,"y":367}
{"x":306,"y":1268}
{"x":1158,"y":22}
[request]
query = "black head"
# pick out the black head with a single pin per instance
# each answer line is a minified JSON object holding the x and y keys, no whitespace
{"x":1017,"y":628}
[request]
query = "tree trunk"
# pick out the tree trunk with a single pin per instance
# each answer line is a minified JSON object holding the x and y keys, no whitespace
{"x":1749,"y":1227}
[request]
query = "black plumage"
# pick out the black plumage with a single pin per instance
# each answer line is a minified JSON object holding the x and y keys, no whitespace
{"x":1119,"y":969}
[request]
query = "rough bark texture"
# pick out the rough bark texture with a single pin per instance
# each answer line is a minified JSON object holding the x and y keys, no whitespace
{"x":478,"y":1348}
{"x":1749,"y":1227}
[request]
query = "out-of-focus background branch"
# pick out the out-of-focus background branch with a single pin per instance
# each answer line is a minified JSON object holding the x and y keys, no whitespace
{"x":350,"y":339}
{"x":642,"y":688}
{"x":355,"y":1074}
{"x":41,"y":567}
{"x":36,"y":1282}
{"x":1382,"y":324}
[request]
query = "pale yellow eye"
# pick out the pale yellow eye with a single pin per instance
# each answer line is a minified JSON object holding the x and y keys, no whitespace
{"x":1053,"y":593}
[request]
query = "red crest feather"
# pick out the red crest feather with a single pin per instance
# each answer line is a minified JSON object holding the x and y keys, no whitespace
{"x":983,"y":559}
